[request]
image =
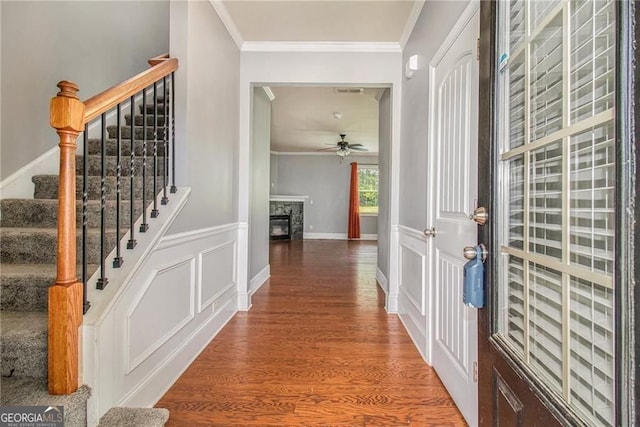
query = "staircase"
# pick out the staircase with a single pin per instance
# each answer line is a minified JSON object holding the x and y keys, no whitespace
{"x":28,"y":238}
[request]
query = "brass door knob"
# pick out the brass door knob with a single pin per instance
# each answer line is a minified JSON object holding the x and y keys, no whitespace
{"x":480,"y":215}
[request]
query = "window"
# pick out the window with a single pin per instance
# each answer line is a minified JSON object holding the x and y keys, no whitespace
{"x":368,"y":181}
{"x":558,"y":161}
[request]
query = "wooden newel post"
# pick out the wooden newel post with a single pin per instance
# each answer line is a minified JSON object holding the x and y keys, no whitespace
{"x":65,"y":295}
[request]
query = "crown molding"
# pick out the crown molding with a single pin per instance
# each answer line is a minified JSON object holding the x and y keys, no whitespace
{"x":326,"y":47}
{"x":226,"y":19}
{"x":411,"y":23}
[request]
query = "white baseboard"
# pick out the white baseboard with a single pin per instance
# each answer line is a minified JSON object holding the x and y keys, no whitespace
{"x":417,"y":336}
{"x":382,"y":281}
{"x":337,"y":236}
{"x":18,"y":185}
{"x":259,"y":279}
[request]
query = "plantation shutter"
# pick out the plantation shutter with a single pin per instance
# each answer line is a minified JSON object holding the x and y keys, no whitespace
{"x":556,"y":85}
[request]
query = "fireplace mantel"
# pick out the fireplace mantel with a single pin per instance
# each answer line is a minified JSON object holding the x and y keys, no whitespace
{"x":283,"y":198}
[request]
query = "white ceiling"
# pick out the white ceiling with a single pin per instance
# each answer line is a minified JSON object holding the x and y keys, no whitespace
{"x":361,"y":21}
{"x":302,"y":117}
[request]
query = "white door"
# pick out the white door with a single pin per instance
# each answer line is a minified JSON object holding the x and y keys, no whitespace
{"x":454,"y":153}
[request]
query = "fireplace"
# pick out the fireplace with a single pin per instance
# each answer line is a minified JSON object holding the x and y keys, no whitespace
{"x":294,"y":209}
{"x":280,"y":227}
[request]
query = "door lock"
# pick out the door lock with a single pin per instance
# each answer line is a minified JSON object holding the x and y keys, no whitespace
{"x":480,"y":215}
{"x":471,"y":252}
{"x":430,"y":232}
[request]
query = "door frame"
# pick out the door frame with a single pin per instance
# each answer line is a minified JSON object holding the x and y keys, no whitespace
{"x":627,"y":250}
{"x":627,"y":270}
{"x":277,"y":65}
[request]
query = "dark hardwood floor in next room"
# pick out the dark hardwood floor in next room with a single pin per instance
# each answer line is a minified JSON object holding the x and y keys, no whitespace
{"x":317,"y":348}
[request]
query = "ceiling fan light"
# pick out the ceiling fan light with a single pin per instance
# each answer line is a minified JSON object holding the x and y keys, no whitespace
{"x":343,"y":152}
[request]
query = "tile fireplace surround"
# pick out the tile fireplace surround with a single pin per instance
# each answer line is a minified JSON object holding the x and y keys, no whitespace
{"x":293,"y":205}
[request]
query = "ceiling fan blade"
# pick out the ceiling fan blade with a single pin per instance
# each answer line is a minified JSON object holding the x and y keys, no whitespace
{"x":328,"y":149}
{"x":358,"y":149}
{"x":355,"y":145}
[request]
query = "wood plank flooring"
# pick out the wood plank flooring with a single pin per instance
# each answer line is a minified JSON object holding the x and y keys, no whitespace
{"x":316,"y":349}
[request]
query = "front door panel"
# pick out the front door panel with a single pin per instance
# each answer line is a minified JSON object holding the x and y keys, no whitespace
{"x":549,"y":335}
{"x":455,"y":89}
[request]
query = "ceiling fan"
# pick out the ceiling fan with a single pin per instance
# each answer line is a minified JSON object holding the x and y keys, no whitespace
{"x":344,"y":148}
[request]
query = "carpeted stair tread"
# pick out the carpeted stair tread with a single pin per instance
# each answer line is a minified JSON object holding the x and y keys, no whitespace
{"x":25,"y":287}
{"x":94,"y":164}
{"x":18,"y":323}
{"x":139,"y":417}
{"x":16,"y":391}
{"x":111,"y":147}
{"x":30,"y":271}
{"x":150,"y":107}
{"x":23,"y":343}
{"x":43,"y":213}
{"x":46,"y":187}
{"x":125,"y":132}
{"x":38,"y":245}
{"x":33,"y":271}
{"x":139,"y":119}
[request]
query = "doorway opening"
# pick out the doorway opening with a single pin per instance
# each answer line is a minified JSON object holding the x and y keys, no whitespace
{"x":303,"y":141}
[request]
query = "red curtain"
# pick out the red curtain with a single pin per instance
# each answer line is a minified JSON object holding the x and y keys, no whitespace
{"x":354,"y":204}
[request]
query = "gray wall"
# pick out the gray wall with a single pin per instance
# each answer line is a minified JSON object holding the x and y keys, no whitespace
{"x":326,"y":181}
{"x":274,"y":174}
{"x":384,"y":141}
{"x":207,"y":111}
{"x":94,"y":44}
{"x":260,"y":166}
{"x":433,"y":25}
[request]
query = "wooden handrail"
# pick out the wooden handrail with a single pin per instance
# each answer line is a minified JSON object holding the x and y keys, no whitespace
{"x":68,"y":115}
{"x":111,"y":97}
{"x":158,"y":59}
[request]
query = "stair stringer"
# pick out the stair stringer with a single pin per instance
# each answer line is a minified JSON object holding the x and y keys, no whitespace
{"x":150,"y":325}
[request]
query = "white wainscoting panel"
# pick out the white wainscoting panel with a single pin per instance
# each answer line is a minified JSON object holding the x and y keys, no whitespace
{"x":215,"y":278}
{"x":160,"y":294}
{"x":413,"y":289}
{"x":172,"y":306}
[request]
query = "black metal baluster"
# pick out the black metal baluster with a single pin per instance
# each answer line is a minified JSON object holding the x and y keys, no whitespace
{"x":85,"y":200}
{"x":132,"y":219}
{"x":165,"y":141}
{"x":155,"y":212}
{"x":144,"y":226}
{"x":117,"y":261}
{"x":173,"y":133}
{"x":103,"y":281}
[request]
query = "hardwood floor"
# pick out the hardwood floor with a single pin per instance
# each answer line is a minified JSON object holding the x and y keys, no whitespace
{"x":316,"y":348}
